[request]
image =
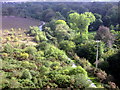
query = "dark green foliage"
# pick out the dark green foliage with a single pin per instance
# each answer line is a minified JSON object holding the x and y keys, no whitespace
{"x":87,"y":50}
{"x":114,"y":65}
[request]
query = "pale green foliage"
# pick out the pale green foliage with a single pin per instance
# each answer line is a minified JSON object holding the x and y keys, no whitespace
{"x":60,"y":22}
{"x":42,"y":36}
{"x":31,"y":50}
{"x":80,"y":81}
{"x":14,"y":83}
{"x":63,"y":32}
{"x":53,"y":51}
{"x":61,"y":79}
{"x":55,"y":65}
{"x":77,"y":70}
{"x":37,"y":38}
{"x":8,"y":48}
{"x":29,"y":65}
{"x":67,"y":45}
{"x":80,"y":22}
{"x":24,"y":55}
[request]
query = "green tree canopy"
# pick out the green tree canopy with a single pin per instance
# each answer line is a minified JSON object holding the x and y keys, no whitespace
{"x":80,"y":22}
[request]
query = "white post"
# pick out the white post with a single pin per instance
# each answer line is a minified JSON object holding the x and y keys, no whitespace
{"x":97,"y":55}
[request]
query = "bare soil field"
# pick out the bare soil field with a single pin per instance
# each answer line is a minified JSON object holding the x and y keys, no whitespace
{"x":9,"y":22}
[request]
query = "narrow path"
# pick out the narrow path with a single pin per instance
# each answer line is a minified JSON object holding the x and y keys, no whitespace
{"x":40,"y":27}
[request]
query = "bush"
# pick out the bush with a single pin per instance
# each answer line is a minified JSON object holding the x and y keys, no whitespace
{"x":37,"y":38}
{"x":44,"y":70}
{"x":3,"y":55}
{"x":26,"y":74}
{"x":88,"y":50}
{"x":60,"y":22}
{"x":8,"y":38}
{"x":108,"y":53}
{"x":62,"y":80}
{"x":78,"y":70}
{"x":83,"y":62}
{"x":27,"y":83}
{"x":33,"y":33}
{"x":30,"y":50}
{"x":67,"y":45}
{"x":24,"y":55}
{"x":42,"y":36}
{"x":15,"y":39}
{"x":55,"y":65}
{"x":29,"y":65}
{"x":8,"y":48}
{"x":14,"y":83}
{"x":79,"y":81}
{"x":53,"y":51}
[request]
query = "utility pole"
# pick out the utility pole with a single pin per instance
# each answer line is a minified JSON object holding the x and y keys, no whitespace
{"x":96,"y":62}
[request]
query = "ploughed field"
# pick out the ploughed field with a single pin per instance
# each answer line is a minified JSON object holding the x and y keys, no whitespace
{"x":14,"y":30}
{"x":9,"y":22}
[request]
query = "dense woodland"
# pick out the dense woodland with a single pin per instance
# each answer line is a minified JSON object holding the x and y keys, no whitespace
{"x":78,"y":47}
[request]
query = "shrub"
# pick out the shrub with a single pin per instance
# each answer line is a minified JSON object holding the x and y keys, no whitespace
{"x":103,"y":65}
{"x":12,"y":29}
{"x":29,"y":65}
{"x":55,"y":65}
{"x":67,"y":45}
{"x":1,"y":39}
{"x":24,"y":55}
{"x":14,"y":83}
{"x":31,"y":50}
{"x":44,"y":70}
{"x":60,"y":22}
{"x":27,"y":83}
{"x":79,"y":81}
{"x":109,"y":53}
{"x":37,"y":38}
{"x":33,"y":32}
{"x":4,"y":55}
{"x":12,"y":36}
{"x":15,"y":39}
{"x":78,"y":70}
{"x":88,"y":50}
{"x":62,"y":80}
{"x":8,"y":48}
{"x":20,"y":35}
{"x":8,"y":38}
{"x":26,"y":74}
{"x":83,"y":62}
{"x":42,"y":36}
